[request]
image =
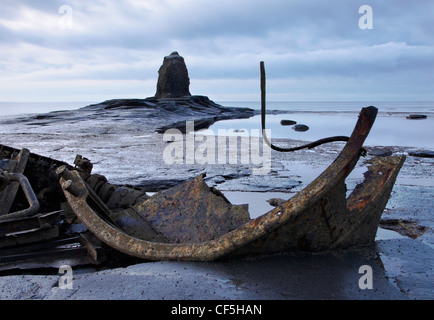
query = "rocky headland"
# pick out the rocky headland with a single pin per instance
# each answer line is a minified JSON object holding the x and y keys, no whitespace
{"x":173,"y":102}
{"x":166,"y":113}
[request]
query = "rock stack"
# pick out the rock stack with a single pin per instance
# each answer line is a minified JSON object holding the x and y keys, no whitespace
{"x":173,"y":80}
{"x":173,"y":105}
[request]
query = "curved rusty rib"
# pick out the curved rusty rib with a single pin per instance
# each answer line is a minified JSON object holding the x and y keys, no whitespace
{"x":82,"y":201}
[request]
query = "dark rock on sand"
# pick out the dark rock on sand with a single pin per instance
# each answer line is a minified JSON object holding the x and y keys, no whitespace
{"x":380,"y":152}
{"x":417,"y":116}
{"x":300,"y":127}
{"x":287,"y":122}
{"x":275,"y":202}
{"x":422,"y":153}
{"x":407,"y":228}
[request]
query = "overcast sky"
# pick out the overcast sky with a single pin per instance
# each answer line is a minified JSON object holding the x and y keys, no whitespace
{"x":313,"y":50}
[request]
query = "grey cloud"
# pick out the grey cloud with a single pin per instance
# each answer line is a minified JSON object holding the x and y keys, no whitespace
{"x":222,"y":39}
{"x":312,"y":24}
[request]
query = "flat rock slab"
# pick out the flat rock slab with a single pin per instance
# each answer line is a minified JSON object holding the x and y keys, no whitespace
{"x":422,"y":153}
{"x":417,"y":116}
{"x":300,"y":127}
{"x":409,"y":266}
{"x":380,"y":152}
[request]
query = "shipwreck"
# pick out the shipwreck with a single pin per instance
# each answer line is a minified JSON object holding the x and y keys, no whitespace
{"x":52,"y":210}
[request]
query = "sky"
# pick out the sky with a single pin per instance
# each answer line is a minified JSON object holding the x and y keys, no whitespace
{"x":313,"y":50}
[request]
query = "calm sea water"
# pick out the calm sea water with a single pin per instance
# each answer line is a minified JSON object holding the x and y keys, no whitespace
{"x":12,"y":108}
{"x":324,"y":119}
{"x":18,"y":108}
{"x":339,"y":106}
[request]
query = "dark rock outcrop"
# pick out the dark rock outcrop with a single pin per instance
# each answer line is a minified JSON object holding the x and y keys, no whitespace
{"x":170,"y":108}
{"x":421,"y":153}
{"x":173,"y":80}
{"x":287,"y":122}
{"x":300,"y":127}
{"x":172,"y":113}
{"x":416,"y":116}
{"x":380,"y":152}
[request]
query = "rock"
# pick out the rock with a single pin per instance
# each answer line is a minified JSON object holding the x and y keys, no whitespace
{"x":275,"y":202}
{"x":422,"y":153}
{"x":380,"y":152}
{"x":300,"y":127}
{"x":201,"y":109}
{"x":170,"y":108}
{"x":407,"y":228}
{"x":173,"y":80}
{"x":287,"y":122}
{"x":416,"y":116}
{"x":171,"y":113}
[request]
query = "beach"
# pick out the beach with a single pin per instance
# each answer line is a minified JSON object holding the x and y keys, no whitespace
{"x":123,"y":146}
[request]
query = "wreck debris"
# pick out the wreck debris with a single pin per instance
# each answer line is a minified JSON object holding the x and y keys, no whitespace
{"x":25,"y":230}
{"x":202,"y":213}
{"x":44,"y":202}
{"x":37,"y":226}
{"x":6,"y":179}
{"x":194,"y":222}
{"x":15,"y":165}
{"x":317,"y":218}
{"x":77,"y":250}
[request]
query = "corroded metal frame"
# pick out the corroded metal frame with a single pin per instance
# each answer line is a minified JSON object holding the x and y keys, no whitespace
{"x":319,"y":217}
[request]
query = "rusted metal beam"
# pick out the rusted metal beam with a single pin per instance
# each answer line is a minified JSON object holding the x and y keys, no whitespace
{"x":26,"y":223}
{"x":29,"y":229}
{"x":45,"y":254}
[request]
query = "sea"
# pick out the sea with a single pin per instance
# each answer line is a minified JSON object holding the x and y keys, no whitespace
{"x":8,"y":109}
{"x":324,"y":119}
